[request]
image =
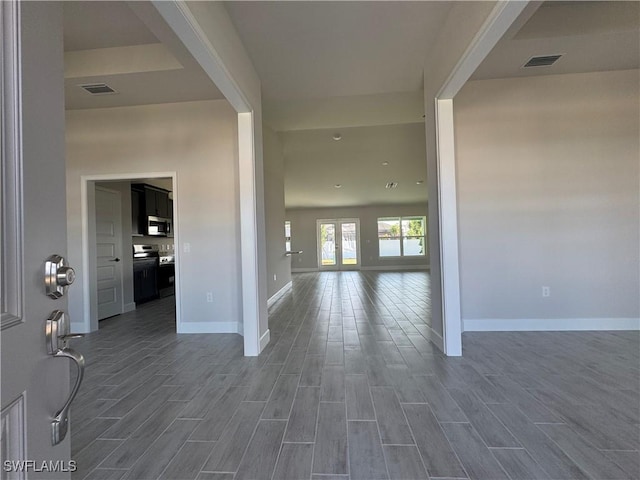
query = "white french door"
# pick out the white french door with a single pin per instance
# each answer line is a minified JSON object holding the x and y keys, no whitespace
{"x":338,"y":244}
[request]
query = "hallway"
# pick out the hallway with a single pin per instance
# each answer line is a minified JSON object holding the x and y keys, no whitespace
{"x":351,"y":388}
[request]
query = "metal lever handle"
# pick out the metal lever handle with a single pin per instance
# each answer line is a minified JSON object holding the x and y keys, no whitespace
{"x":71,"y":336}
{"x":115,"y":260}
{"x":57,"y":334}
{"x":60,"y":422}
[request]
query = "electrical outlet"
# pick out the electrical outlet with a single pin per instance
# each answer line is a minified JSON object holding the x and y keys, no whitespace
{"x":546,"y":291}
{"x":209,"y":297}
{"x":187,"y":247}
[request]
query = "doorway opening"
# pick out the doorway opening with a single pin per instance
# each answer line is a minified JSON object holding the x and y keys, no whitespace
{"x":131,"y":259}
{"x":338,"y":244}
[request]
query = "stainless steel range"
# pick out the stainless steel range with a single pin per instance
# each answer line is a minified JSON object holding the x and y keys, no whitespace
{"x":146,"y":260}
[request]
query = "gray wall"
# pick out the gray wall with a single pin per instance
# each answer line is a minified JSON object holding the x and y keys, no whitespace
{"x":197,"y":140}
{"x":303,"y":234}
{"x":277,"y":263}
{"x":548,"y":196}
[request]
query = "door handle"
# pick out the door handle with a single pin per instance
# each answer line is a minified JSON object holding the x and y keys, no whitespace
{"x":60,"y":423}
{"x":57,"y":334}
{"x":115,"y":260}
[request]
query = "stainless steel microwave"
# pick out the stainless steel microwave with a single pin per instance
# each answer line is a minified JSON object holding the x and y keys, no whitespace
{"x":159,"y":227}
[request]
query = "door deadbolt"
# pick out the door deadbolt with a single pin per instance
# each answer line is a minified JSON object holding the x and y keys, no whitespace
{"x":57,"y":276}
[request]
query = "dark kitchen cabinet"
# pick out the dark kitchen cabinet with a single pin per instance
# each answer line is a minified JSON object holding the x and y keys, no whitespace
{"x":166,"y":279}
{"x":156,"y":202}
{"x":138,"y":223}
{"x":145,"y":280}
{"x":147,"y":201}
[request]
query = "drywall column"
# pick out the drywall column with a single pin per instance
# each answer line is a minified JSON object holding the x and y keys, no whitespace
{"x":450,"y":280}
{"x":456,"y":58}
{"x":207,"y":31}
{"x":250,"y":297}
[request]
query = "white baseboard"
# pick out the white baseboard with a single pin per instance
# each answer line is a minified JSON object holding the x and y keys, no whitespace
{"x":396,"y":268}
{"x":549,"y":324}
{"x":265,"y":339}
{"x":276,"y":296}
{"x":303,"y":270}
{"x":128,"y":307}
{"x":209,"y":327}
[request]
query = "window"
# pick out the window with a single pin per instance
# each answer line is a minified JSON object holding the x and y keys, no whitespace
{"x":402,"y":236}
{"x":287,"y":236}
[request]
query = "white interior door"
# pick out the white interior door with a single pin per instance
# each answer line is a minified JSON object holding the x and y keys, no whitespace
{"x":109,"y":252}
{"x":338,"y":244}
{"x":35,"y":384}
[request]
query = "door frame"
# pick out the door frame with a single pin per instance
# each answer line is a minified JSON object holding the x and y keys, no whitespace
{"x":123,"y":307}
{"x":87,"y":198}
{"x":338,"y":223}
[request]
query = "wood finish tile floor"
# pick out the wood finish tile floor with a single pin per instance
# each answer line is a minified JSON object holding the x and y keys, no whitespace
{"x":350,"y":388}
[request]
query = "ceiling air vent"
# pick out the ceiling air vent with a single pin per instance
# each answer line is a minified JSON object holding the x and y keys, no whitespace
{"x":542,"y":61}
{"x":391,"y":185}
{"x":98,"y":89}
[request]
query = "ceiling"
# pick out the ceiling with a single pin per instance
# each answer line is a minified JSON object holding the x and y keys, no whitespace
{"x":310,"y":53}
{"x":591,"y":36}
{"x":352,"y":67}
{"x":310,"y":50}
{"x":357,"y":68}
{"x":135,"y":53}
{"x":314,"y":163}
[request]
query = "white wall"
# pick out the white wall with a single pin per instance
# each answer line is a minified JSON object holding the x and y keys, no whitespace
{"x":548,"y":196}
{"x":304,"y":228}
{"x":277,"y":263}
{"x":197,"y":140}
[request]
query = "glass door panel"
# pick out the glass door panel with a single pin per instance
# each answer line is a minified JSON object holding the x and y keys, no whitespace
{"x":328,"y":244}
{"x":349,"y":243}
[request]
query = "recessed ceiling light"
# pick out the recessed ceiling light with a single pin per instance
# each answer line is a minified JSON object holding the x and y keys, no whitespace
{"x":337,"y":185}
{"x":337,"y":136}
{"x":419,"y":182}
{"x":385,"y":163}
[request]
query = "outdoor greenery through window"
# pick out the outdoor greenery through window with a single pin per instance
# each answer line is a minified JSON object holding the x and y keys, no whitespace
{"x":402,"y":236}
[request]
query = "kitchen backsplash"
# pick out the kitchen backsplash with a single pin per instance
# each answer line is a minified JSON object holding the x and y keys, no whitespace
{"x":165,"y":244}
